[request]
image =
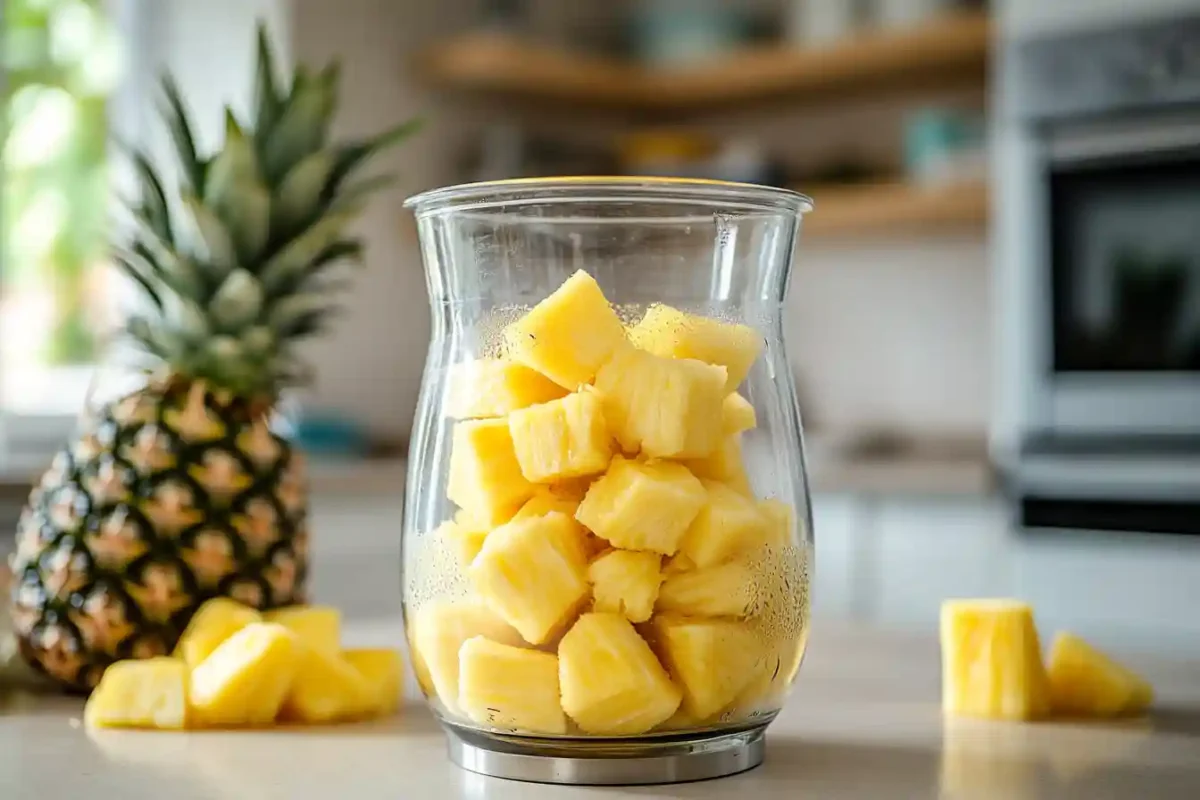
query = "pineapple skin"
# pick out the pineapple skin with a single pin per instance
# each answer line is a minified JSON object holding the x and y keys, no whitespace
{"x":172,"y":495}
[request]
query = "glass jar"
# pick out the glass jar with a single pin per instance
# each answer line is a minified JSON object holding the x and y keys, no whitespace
{"x":607,"y":537}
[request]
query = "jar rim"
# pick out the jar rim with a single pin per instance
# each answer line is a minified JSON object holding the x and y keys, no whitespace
{"x":483,"y":195}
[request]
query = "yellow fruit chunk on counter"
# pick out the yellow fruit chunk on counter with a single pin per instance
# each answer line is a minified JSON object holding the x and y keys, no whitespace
{"x":626,"y":582}
{"x":533,"y":573}
{"x":737,"y":415}
{"x":1084,"y":681}
{"x":565,"y":438}
{"x":140,"y":694}
{"x":567,"y":336}
{"x":317,"y":626}
{"x":437,"y":632}
{"x":662,"y":407}
{"x":325,"y":688}
{"x":992,"y":660}
{"x":510,"y":687}
{"x":382,"y":670}
{"x":642,"y":506}
{"x":728,"y":523}
{"x":726,"y":590}
{"x":712,"y":659}
{"x":246,"y":678}
{"x":213,"y":623}
{"x":485,"y":479}
{"x":611,"y":682}
{"x":492,"y":387}
{"x":667,"y":331}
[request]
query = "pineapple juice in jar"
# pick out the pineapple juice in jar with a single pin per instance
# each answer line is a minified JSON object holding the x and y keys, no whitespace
{"x":607,"y":539}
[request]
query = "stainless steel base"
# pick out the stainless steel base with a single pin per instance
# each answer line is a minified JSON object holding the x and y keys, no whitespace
{"x":583,"y":762}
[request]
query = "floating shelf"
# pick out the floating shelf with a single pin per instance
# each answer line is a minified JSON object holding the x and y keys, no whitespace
{"x":894,"y":208}
{"x":949,"y":51}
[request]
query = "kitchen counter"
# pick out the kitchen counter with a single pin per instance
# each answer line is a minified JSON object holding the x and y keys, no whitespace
{"x":864,"y":723}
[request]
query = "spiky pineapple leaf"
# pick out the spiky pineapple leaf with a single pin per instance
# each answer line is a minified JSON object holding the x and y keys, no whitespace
{"x":343,"y":250}
{"x":219,"y":253}
{"x":356,"y":193}
{"x":181,"y":135}
{"x":236,"y":193}
{"x":268,"y":102}
{"x":237,"y":302}
{"x":136,"y":273}
{"x":153,"y":203}
{"x":176,"y":270}
{"x":352,"y":156}
{"x":298,"y":199}
{"x":304,"y":124}
{"x":290,"y":263}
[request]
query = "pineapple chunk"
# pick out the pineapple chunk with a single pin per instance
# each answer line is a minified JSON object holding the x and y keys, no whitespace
{"x":547,"y":499}
{"x":567,"y":336}
{"x":781,"y":522}
{"x":326,"y":688}
{"x":626,"y":582}
{"x":640,"y":506}
{"x":663,"y":407}
{"x":438,"y":632}
{"x":492,"y":387}
{"x":466,"y":533}
{"x":317,"y":626}
{"x":728,"y":524}
{"x":246,"y":678}
{"x":727,"y":590}
{"x":510,"y":687}
{"x":991,"y":660}
{"x":667,"y":331}
{"x":381,"y":669}
{"x":737,"y":415}
{"x":485,"y":478}
{"x":611,"y":682}
{"x":565,"y":438}
{"x":1085,"y":681}
{"x":712,"y":659}
{"x":150,"y":693}
{"x":213,"y":623}
{"x":725,"y":464}
{"x":533,"y":573}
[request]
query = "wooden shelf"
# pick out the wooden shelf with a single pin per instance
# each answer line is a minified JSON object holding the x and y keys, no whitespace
{"x":840,"y":211}
{"x":949,"y":51}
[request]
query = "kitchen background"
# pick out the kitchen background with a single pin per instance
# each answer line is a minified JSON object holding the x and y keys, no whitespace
{"x":912,"y":323}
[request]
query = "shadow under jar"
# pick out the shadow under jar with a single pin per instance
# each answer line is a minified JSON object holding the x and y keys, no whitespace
{"x":607,"y":547}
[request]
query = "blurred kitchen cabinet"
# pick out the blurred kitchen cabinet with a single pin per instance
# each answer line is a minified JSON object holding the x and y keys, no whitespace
{"x":835,"y":526}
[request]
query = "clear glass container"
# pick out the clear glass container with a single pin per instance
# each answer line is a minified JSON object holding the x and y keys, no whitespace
{"x":607,"y":557}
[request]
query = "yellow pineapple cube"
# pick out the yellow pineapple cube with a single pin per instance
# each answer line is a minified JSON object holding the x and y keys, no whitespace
{"x":611,"y":682}
{"x":549,"y":499}
{"x":991,"y":660}
{"x":662,"y":407}
{"x":325,"y":688}
{"x":382,"y":670}
{"x":726,"y":590}
{"x":1085,"y":681}
{"x":493,"y":387}
{"x":626,"y":582}
{"x":728,"y":523}
{"x":467,"y":534}
{"x":485,"y":479}
{"x":437,"y":631}
{"x":566,"y":438}
{"x":712,"y":659}
{"x":246,"y":678}
{"x":532,"y":572}
{"x":642,"y":506}
{"x":150,"y":693}
{"x":317,"y":626}
{"x":725,"y":465}
{"x":666,"y":331}
{"x":510,"y":687}
{"x":781,"y":523}
{"x":737,"y":415}
{"x":213,"y":623}
{"x":567,"y":336}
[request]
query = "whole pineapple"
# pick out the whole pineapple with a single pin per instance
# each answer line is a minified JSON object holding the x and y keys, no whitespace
{"x":181,"y":491}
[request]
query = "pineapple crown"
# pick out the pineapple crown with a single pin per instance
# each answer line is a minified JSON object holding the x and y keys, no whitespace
{"x":240,"y":268}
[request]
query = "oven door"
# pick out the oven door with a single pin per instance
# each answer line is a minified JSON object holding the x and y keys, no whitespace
{"x":1122,"y":350}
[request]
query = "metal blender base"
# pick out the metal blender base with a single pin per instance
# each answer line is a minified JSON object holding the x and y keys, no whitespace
{"x":582,"y":762}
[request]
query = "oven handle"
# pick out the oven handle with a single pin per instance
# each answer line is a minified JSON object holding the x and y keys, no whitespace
{"x":1075,"y":143}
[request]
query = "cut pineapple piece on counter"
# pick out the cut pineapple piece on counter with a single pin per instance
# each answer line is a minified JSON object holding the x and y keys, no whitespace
{"x":325,"y":688}
{"x":437,"y":631}
{"x":780,"y":523}
{"x":724,"y":465}
{"x":611,"y":682}
{"x":510,"y":687}
{"x":246,"y":678}
{"x":626,"y":582}
{"x":532,"y":572}
{"x":317,"y":626}
{"x":150,"y":693}
{"x":382,"y":670}
{"x":662,"y":407}
{"x":1085,"y":681}
{"x":713,"y":660}
{"x":561,"y":439}
{"x":213,"y":623}
{"x":567,"y":336}
{"x":737,"y":415}
{"x":485,"y":478}
{"x":639,"y":506}
{"x":728,"y":523}
{"x":667,"y":331}
{"x":726,"y":590}
{"x":467,"y":535}
{"x":991,"y":660}
{"x":493,"y":387}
